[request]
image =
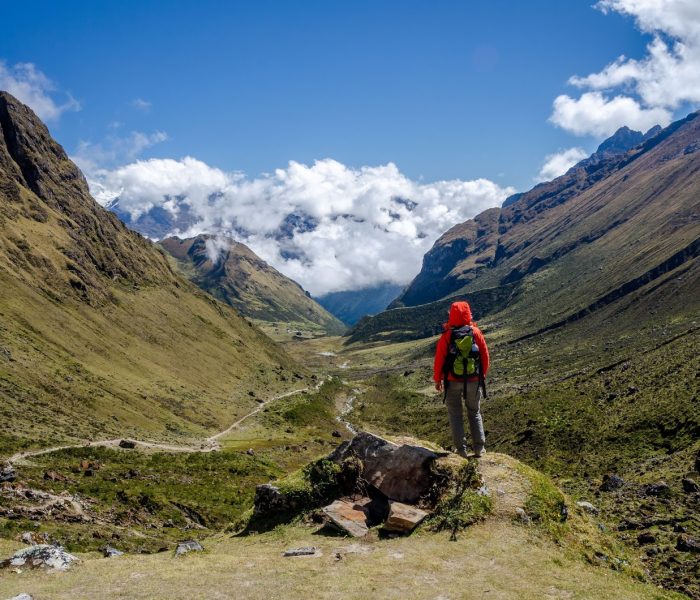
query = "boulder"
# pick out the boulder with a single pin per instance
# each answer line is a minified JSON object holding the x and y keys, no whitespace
{"x":127,"y":444}
{"x":401,"y":473}
{"x":646,"y":538}
{"x":270,"y":501}
{"x":403,"y":518}
{"x":348,"y":516}
{"x":690,"y":485}
{"x":110,"y":552}
{"x":588,"y":507}
{"x":41,"y":556}
{"x":22,"y":597}
{"x":660,"y":488}
{"x":188,"y":546}
{"x":685,"y":543}
{"x":611,"y":482}
{"x":7,"y":473}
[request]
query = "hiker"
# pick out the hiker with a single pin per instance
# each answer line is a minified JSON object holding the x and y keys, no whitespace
{"x":460,"y":367}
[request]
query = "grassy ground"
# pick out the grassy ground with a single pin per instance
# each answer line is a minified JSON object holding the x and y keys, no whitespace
{"x":144,"y":501}
{"x":493,"y":560}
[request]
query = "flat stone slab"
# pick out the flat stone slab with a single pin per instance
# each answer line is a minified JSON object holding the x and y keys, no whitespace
{"x":348,"y":516}
{"x":305,"y":551}
{"x":404,"y":518}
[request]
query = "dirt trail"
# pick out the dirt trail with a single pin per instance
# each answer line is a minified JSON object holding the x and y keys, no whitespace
{"x":207,"y":445}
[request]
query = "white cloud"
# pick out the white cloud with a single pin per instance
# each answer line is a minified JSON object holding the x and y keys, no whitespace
{"x":328,"y":226}
{"x":640,"y":93}
{"x":559,"y":163}
{"x":29,"y":85}
{"x":141,"y":104}
{"x":594,"y":114}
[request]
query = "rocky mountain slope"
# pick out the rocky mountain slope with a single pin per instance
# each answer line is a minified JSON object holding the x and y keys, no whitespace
{"x":574,"y":245}
{"x":97,"y":333}
{"x":234,"y":274}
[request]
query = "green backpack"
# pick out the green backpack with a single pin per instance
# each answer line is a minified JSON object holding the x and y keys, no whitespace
{"x":463,"y":353}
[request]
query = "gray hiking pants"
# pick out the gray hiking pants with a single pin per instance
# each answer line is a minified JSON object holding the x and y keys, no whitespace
{"x":453,"y":399}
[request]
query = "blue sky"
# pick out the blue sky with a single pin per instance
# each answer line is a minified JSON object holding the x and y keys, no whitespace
{"x":443,"y":89}
{"x":249,"y":114}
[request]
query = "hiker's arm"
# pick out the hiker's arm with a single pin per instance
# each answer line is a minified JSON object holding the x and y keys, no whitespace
{"x":440,"y":353}
{"x":483,"y":351}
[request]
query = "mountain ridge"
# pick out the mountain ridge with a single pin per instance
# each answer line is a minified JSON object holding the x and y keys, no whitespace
{"x":233,"y":273}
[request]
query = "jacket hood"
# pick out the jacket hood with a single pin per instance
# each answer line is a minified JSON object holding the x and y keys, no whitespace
{"x":460,"y":314}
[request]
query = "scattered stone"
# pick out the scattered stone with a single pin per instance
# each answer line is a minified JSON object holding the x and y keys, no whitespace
{"x":127,"y":444}
{"x":588,"y":507}
{"x":22,"y":597}
{"x":336,"y":434}
{"x":305,"y":551}
{"x":7,"y":473}
{"x":250,"y":452}
{"x":349,"y":517}
{"x":110,"y":552}
{"x":678,"y":528}
{"x":522,"y":515}
{"x":660,"y":488}
{"x":646,"y":538}
{"x":188,"y":546}
{"x":401,"y":473}
{"x":653,"y":551}
{"x":404,"y":518}
{"x":40,"y":556}
{"x":54,"y":476}
{"x":685,"y":543}
{"x":27,"y":538}
{"x":690,"y":486}
{"x":632,"y":390}
{"x":611,"y":482}
{"x":697,"y":464}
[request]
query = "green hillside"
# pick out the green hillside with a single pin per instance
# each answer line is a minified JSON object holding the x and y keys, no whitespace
{"x":243,"y":280}
{"x":98,"y":335}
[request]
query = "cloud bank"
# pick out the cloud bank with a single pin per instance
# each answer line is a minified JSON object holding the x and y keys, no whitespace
{"x":639,"y":93}
{"x":559,"y":163}
{"x":29,"y":85}
{"x":328,"y":226}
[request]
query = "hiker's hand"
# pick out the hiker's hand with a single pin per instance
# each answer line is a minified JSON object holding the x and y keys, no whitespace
{"x":438,"y":386}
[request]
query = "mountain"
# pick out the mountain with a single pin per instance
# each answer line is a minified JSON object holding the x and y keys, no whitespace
{"x":234,"y":274}
{"x":636,"y":205}
{"x":351,"y":305}
{"x":623,"y":140}
{"x":98,"y":335}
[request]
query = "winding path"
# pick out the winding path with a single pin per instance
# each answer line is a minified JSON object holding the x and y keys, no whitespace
{"x":207,"y":445}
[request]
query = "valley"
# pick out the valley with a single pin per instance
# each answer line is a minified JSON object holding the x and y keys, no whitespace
{"x":146,"y":396}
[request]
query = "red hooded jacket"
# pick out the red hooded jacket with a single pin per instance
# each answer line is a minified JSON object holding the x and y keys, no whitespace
{"x":460,"y":315}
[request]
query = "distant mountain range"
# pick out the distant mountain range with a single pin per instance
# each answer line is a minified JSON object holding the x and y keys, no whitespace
{"x":351,"y":305}
{"x":233,"y":273}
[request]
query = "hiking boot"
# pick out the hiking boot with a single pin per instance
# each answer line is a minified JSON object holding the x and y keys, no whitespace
{"x":463,"y":453}
{"x":479,"y":452}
